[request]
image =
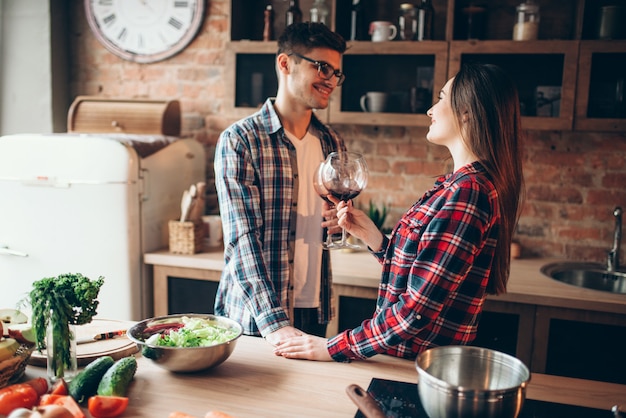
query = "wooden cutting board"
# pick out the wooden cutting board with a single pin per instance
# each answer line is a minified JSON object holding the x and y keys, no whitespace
{"x":117,"y":347}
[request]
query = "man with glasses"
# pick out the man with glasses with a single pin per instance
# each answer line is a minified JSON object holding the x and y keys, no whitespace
{"x":276,"y":281}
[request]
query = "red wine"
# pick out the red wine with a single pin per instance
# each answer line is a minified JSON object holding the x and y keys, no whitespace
{"x":324,"y":196}
{"x":345,"y":195}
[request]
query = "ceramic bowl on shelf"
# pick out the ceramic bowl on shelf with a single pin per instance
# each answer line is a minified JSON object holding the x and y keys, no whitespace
{"x":186,"y":359}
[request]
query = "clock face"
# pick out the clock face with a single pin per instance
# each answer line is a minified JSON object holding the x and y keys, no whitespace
{"x":145,"y":30}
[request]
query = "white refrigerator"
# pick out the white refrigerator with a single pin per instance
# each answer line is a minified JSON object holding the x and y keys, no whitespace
{"x":90,"y":204}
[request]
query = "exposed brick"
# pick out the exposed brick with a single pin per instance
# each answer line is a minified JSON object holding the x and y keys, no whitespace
{"x":573,"y":179}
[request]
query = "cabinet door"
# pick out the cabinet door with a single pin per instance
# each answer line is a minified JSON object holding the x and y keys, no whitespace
{"x":600,"y":102}
{"x":408,"y":73}
{"x":544,"y":71}
{"x":580,"y":343}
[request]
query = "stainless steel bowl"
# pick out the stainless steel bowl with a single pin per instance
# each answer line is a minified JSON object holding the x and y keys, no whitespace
{"x":187,"y":359}
{"x":468,"y":382}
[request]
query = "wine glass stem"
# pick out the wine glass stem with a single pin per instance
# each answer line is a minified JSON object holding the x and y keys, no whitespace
{"x":343,"y":237}
{"x":329,"y":239}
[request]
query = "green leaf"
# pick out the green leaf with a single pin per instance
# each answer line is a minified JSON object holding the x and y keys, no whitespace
{"x":61,"y":301}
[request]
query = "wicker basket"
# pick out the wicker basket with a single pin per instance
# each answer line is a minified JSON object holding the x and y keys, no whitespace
{"x":12,"y":370}
{"x":186,"y":237}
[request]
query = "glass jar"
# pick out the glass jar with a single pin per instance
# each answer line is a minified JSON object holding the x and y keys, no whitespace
{"x":527,"y":22}
{"x":61,"y":351}
{"x":407,"y":22}
{"x":319,"y":12}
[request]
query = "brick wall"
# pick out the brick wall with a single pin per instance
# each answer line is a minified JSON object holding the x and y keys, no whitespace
{"x":573,"y":179}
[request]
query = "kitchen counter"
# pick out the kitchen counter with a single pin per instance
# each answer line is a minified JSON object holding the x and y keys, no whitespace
{"x":534,"y":299}
{"x":255,"y":383}
{"x":359,"y":269}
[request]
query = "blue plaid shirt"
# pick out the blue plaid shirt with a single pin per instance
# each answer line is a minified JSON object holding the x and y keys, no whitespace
{"x":435,"y":271}
{"x":256,"y":177}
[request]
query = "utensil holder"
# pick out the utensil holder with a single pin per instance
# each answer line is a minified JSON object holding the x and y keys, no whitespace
{"x":185,"y":237}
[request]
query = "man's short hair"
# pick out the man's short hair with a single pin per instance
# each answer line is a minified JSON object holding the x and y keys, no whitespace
{"x":302,"y":37}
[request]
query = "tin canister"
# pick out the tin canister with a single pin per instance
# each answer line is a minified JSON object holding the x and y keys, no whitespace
{"x":611,"y":23}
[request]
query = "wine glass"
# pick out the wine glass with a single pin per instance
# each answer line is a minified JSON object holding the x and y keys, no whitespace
{"x":344,"y":175}
{"x":318,"y":185}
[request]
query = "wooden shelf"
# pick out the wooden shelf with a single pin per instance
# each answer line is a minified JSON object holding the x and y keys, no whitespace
{"x":559,"y":59}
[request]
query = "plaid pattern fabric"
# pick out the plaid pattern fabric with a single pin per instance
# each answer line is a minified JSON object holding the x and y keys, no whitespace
{"x":434,"y":272}
{"x":255,"y":177}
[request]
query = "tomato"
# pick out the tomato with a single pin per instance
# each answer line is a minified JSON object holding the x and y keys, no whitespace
{"x":107,"y":406}
{"x":70,"y":404}
{"x":39,"y":384}
{"x":65,"y":401}
{"x":19,"y":395}
{"x":52,"y":411}
{"x":49,"y":399}
{"x":60,"y":387}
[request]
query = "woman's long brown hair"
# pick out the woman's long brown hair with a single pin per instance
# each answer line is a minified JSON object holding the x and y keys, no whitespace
{"x":487,"y":99}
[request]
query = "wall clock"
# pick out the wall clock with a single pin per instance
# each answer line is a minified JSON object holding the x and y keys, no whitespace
{"x":145,"y":31}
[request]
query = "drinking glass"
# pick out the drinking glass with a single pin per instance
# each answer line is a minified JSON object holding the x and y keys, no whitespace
{"x":344,"y":175}
{"x":318,"y":185}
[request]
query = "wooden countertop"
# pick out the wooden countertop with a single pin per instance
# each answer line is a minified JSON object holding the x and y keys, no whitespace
{"x":255,"y":383}
{"x":526,"y":283}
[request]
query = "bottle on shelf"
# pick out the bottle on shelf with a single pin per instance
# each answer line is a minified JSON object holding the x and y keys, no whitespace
{"x":425,"y":16}
{"x":355,"y":21}
{"x":407,"y":22}
{"x":472,"y":21}
{"x":526,"y":25}
{"x":294,"y":13}
{"x":319,"y":12}
{"x":268,"y":23}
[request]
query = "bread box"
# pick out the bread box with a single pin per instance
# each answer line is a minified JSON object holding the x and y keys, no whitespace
{"x":93,"y":114}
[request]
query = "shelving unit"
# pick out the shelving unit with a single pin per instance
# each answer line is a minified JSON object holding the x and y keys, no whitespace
{"x":534,"y":65}
{"x":395,"y":68}
{"x":600,"y":102}
{"x":567,"y":62}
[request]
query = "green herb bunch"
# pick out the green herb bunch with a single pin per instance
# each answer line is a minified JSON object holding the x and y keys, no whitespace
{"x":63,"y":300}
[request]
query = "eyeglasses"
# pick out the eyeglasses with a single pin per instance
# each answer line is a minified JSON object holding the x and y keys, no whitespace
{"x":324,"y":70}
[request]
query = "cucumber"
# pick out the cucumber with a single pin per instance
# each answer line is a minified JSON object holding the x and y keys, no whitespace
{"x":116,"y":380}
{"x":85,"y":384}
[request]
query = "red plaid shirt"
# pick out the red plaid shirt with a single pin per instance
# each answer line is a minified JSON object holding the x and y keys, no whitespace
{"x":435,"y":271}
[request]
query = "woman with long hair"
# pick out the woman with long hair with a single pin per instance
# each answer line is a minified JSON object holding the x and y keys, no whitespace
{"x":452,"y":247}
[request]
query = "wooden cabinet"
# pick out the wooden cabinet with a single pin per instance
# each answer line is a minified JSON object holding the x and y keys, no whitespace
{"x":600,"y":102}
{"x":544,"y":71}
{"x":406,"y":71}
{"x":567,"y":79}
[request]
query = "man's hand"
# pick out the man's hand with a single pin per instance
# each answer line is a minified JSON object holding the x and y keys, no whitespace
{"x":309,"y":347}
{"x":282,"y":334}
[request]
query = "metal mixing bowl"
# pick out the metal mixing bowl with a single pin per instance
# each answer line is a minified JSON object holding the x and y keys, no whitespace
{"x":187,"y":359}
{"x":468,"y":382}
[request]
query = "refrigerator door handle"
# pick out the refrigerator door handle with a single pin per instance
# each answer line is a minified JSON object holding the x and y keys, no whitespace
{"x":145,"y":184}
{"x":4,"y":250}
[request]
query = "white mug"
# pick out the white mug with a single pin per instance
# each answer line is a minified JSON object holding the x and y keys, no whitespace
{"x":382,"y":31}
{"x":374,"y":101}
{"x":213,"y":232}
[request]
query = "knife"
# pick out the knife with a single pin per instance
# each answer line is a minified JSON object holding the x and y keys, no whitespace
{"x":100,"y":337}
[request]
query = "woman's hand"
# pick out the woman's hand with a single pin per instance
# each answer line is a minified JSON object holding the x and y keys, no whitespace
{"x":308,"y":347}
{"x":357,"y":223}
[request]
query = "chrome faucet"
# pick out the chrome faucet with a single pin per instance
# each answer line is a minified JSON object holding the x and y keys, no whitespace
{"x":613,"y":259}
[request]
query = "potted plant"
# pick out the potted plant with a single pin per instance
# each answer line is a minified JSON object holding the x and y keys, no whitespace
{"x":378,"y":215}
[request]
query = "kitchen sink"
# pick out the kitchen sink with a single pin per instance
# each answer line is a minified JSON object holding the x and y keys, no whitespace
{"x":588,"y":275}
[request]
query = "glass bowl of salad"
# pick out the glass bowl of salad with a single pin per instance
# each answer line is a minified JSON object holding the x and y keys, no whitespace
{"x":186,"y":342}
